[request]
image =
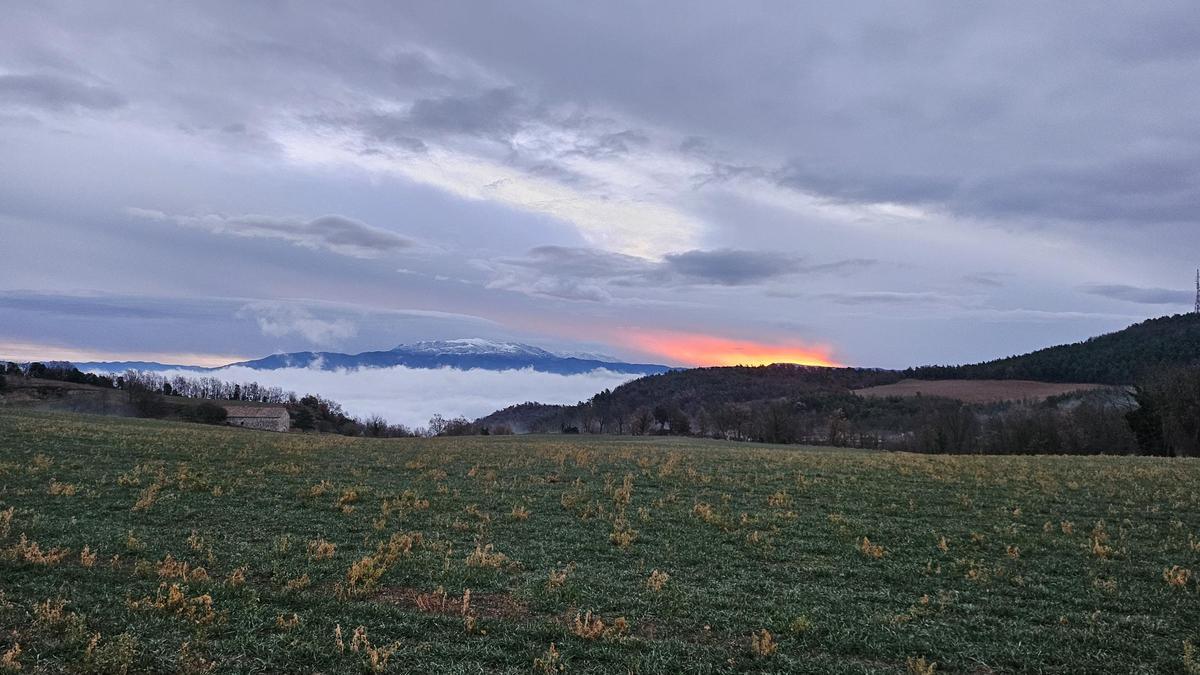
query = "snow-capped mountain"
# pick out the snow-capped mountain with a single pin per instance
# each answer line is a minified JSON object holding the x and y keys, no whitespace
{"x":463,"y":354}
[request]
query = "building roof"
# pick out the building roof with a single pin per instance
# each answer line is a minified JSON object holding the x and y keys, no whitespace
{"x":273,"y":411}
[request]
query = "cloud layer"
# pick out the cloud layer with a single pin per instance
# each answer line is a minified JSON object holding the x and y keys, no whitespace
{"x":411,"y":396}
{"x":922,"y":182}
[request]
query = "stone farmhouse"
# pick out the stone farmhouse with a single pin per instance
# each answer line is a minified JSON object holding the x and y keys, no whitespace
{"x":265,"y":417}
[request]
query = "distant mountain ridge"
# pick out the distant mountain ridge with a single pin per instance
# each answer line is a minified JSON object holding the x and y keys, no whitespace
{"x":461,"y":354}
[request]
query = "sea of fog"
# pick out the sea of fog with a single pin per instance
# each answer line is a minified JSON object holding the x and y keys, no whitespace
{"x":411,"y":396}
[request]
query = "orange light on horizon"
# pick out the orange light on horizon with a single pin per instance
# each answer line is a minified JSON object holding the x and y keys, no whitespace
{"x":29,"y":351}
{"x":695,"y":349}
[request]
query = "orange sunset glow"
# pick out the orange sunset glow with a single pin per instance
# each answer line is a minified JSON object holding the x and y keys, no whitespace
{"x":696,"y":349}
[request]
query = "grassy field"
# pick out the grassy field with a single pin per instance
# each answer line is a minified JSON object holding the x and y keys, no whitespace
{"x":153,"y":546}
{"x":977,"y":391}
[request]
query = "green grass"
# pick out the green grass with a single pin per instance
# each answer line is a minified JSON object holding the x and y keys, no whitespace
{"x":752,"y":537}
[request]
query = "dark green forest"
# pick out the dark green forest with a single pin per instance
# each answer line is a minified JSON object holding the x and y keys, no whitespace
{"x":1123,"y":357}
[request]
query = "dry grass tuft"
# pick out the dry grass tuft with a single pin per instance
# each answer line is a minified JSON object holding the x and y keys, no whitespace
{"x":870,"y":550}
{"x":557,"y":577}
{"x":346,"y":501}
{"x":364,"y":575}
{"x":10,"y":661}
{"x":299,"y":583}
{"x":174,"y":600}
{"x":919,"y":666}
{"x":549,"y":663}
{"x":87,"y":558}
{"x":657,"y":581}
{"x":58,"y":489}
{"x":170,"y":568}
{"x":762,"y":643}
{"x":376,"y":657}
{"x":591,"y":627}
{"x":1191,"y":665}
{"x":237,"y":577}
{"x":622,"y":535}
{"x":287,"y":622}
{"x":319,"y":549}
{"x":147,"y":497}
{"x":485,"y":557}
{"x":1176,"y":576}
{"x":31,"y":552}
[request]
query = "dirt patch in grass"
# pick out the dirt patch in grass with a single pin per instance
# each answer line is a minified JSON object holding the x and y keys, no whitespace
{"x":483,"y":605}
{"x":978,"y":391}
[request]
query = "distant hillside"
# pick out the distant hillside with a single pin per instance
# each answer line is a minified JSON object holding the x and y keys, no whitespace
{"x":978,"y":391}
{"x":695,"y":390}
{"x":1115,"y":358}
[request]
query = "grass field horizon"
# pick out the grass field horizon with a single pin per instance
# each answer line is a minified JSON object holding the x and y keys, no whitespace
{"x":146,"y":545}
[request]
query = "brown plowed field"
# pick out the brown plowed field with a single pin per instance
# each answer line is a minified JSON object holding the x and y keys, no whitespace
{"x":977,"y":391}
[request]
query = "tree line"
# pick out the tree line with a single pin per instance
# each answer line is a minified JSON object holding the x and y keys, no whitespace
{"x":1159,"y":416}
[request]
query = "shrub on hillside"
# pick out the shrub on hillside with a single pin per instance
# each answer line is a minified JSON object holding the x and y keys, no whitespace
{"x":206,"y":412}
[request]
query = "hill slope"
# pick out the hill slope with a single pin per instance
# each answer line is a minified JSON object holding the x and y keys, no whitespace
{"x":698,"y":389}
{"x":1115,"y":358}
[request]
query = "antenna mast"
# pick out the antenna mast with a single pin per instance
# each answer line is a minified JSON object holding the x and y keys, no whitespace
{"x":1198,"y":291}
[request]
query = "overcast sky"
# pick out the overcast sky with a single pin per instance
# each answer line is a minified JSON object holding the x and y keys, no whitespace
{"x":885,"y":185}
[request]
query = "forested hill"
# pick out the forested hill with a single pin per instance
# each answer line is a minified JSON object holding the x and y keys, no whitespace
{"x":1115,"y":358}
{"x":694,"y":392}
{"x":696,"y":388}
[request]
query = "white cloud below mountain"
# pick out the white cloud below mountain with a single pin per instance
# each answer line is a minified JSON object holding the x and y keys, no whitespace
{"x":412,"y":395}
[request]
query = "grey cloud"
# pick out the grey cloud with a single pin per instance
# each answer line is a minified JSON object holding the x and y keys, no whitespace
{"x":611,"y":144}
{"x":338,"y":234}
{"x":1140,"y":295}
{"x":983,"y":280}
{"x":86,"y":306}
{"x":496,"y":111}
{"x":730,"y":267}
{"x":696,"y":145}
{"x":841,"y":266}
{"x":1160,"y":189}
{"x":56,"y":93}
{"x":721,"y":172}
{"x":589,"y":274}
{"x":494,"y":114}
{"x":393,"y":130}
{"x":863,"y":186}
{"x":886,"y":298}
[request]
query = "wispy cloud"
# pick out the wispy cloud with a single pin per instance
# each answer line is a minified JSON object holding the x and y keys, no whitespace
{"x":278,"y":319}
{"x":334,"y":233}
{"x":575,"y":273}
{"x":1140,"y":295}
{"x":53,"y":92}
